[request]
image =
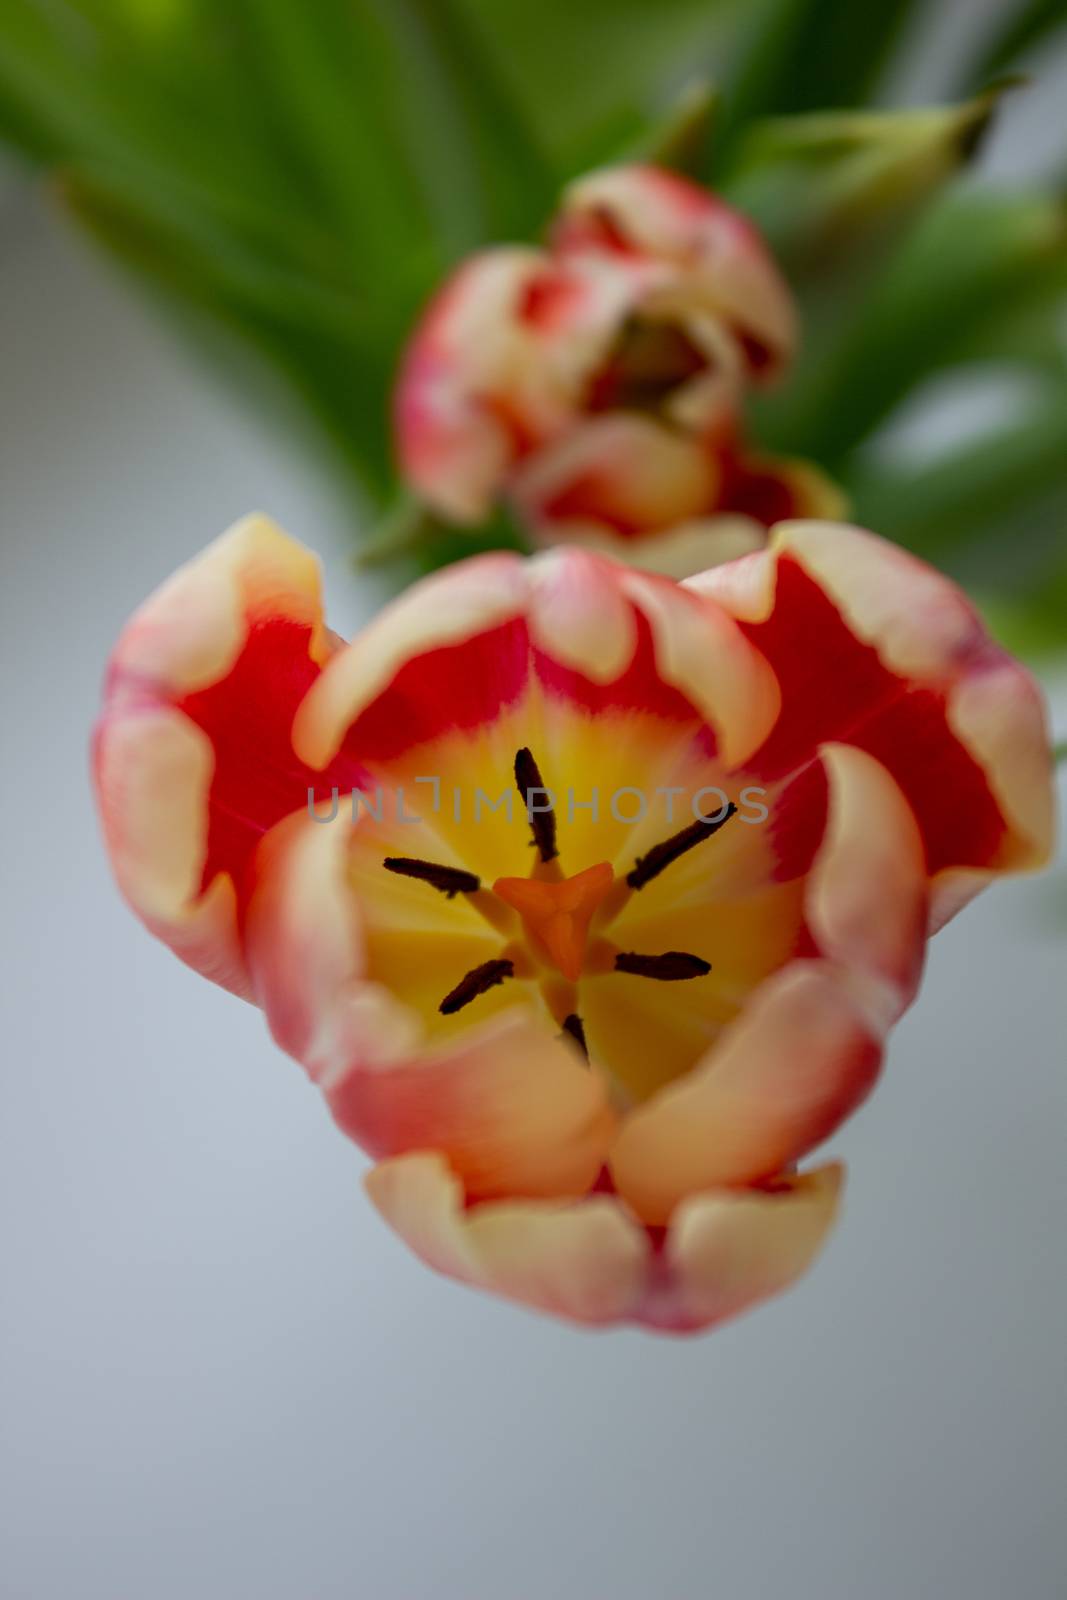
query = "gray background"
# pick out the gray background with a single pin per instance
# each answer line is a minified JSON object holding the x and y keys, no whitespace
{"x":221,"y":1377}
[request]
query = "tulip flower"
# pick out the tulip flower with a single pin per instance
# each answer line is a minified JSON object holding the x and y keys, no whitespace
{"x":598,"y":384}
{"x":586,"y":898}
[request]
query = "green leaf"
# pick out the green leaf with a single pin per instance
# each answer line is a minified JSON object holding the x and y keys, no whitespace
{"x":971,"y":260}
{"x":1024,"y":27}
{"x":329,"y":76}
{"x":318,"y":341}
{"x":589,"y":74}
{"x":414,"y":540}
{"x":809,"y":55}
{"x":484,"y":172}
{"x":682,"y":138}
{"x":1033,"y":623}
{"x":990,"y":485}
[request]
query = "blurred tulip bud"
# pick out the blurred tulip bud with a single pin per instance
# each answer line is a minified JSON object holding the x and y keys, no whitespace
{"x":597,"y":384}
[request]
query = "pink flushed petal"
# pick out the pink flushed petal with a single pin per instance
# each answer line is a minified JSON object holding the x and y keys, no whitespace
{"x":304,"y":942}
{"x":807,"y":1048}
{"x":798,"y":1060}
{"x":585,"y":1262}
{"x":728,"y":1250}
{"x":514,"y":1109}
{"x":866,"y":897}
{"x":649,"y":210}
{"x":591,"y":1263}
{"x":579,"y":614}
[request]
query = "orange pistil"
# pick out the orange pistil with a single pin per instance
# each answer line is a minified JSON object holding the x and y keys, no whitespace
{"x":557,"y":915}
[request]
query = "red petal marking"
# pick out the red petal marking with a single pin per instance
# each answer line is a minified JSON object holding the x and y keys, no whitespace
{"x":835,"y":687}
{"x":754,"y":492}
{"x":639,"y":688}
{"x":597,"y":228}
{"x":468,"y":685}
{"x":551,"y":297}
{"x":456,"y":686}
{"x":797,"y":822}
{"x":248,"y":716}
{"x":759,"y":357}
{"x":949,"y":793}
{"x":593,"y":497}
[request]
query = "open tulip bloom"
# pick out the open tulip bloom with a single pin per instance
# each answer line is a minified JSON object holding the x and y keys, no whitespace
{"x":598,"y":385}
{"x":586,"y":898}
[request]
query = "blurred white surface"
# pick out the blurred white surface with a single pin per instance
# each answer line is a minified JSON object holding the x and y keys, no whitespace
{"x":220,"y":1377}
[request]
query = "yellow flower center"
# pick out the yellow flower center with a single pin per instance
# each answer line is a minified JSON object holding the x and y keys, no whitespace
{"x":639,"y":926}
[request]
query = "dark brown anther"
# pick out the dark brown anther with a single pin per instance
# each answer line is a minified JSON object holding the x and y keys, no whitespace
{"x":477,"y":981}
{"x":573,"y":1026}
{"x":542,"y":822}
{"x":671,"y":967}
{"x":661,"y":855}
{"x":450,"y":880}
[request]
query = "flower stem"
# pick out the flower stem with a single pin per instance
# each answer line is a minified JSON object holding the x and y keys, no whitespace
{"x":403,"y":531}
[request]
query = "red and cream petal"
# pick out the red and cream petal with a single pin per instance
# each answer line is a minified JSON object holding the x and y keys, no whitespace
{"x":700,"y":652}
{"x":471,"y":601}
{"x":806,"y":1049}
{"x":587,"y":1261}
{"x":874,"y":648}
{"x":516,"y":1110}
{"x":647,"y":210}
{"x":676,"y":552}
{"x":590,"y":1261}
{"x":702,"y":504}
{"x":773,"y":489}
{"x":192,"y":756}
{"x":455,"y":438}
{"x":455,"y":653}
{"x":728,"y":1250}
{"x":153,"y":773}
{"x":866,"y":897}
{"x":619,"y":472}
{"x":762,"y":492}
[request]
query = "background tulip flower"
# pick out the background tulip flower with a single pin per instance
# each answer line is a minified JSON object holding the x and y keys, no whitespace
{"x":313,"y":205}
{"x":599,"y":385}
{"x":586,"y":1040}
